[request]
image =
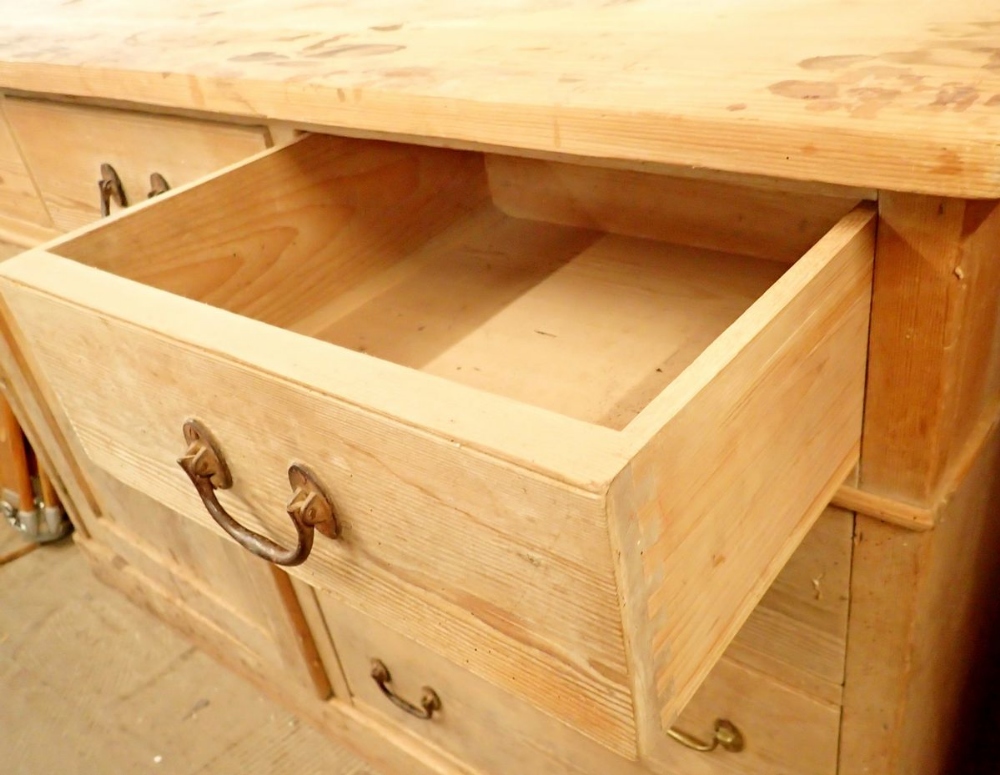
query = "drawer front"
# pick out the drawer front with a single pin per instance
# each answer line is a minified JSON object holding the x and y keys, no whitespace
{"x":473,"y":514}
{"x":65,"y":146}
{"x":9,"y":250}
{"x":785,"y":731}
{"x":485,"y":728}
{"x":19,"y":201}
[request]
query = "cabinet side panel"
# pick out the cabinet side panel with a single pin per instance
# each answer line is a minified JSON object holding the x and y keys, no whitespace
{"x":921,"y":604}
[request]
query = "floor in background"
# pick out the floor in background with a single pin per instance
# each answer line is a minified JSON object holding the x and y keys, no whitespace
{"x":91,"y":685}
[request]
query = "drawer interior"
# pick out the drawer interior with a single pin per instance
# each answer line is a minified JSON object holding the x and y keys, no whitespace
{"x":578,"y":289}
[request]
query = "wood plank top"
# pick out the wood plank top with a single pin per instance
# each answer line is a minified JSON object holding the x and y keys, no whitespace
{"x":873,"y":93}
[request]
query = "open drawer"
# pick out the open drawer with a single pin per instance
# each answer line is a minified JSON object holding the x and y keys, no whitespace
{"x":561,"y":450}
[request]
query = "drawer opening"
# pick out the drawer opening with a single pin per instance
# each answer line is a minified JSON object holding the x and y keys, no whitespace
{"x":581,"y":290}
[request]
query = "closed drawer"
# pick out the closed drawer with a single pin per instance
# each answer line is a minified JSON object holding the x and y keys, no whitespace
{"x":798,"y":631}
{"x":19,"y":200}
{"x":544,"y":428}
{"x":786,"y":732}
{"x":481,"y":726}
{"x":65,"y":146}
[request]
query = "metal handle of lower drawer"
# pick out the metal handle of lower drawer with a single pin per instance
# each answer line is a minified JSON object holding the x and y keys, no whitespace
{"x":309,"y":507}
{"x":429,"y":701}
{"x":726,"y":735}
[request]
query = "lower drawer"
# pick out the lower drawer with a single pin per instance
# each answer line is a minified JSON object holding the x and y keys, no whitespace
{"x":786,"y":731}
{"x":484,"y":727}
{"x":66,"y":145}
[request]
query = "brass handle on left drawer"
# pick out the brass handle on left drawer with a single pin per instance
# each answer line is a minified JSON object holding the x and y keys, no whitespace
{"x":309,"y":507}
{"x":429,"y":701}
{"x":157,"y":185}
{"x":110,"y":188}
{"x":726,"y":735}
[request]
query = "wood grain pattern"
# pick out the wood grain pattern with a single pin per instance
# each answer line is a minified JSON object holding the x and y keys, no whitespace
{"x":542,"y":547}
{"x":19,"y":197}
{"x":421,"y":468}
{"x":212,"y":576}
{"x":733,"y":218}
{"x":787,"y":732}
{"x":883,"y":95}
{"x":488,"y":729}
{"x":790,"y":733}
{"x":671,"y":525}
{"x":65,"y":145}
{"x":386,"y":749}
{"x":9,"y":250}
{"x":45,"y":426}
{"x":935,"y":342}
{"x":21,"y":234}
{"x":798,"y":631}
{"x":602,"y":323}
{"x":921,"y":605}
{"x":890,"y":510}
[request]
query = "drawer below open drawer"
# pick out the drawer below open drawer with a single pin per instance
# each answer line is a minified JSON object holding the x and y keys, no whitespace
{"x":560,"y":449}
{"x":783,"y":731}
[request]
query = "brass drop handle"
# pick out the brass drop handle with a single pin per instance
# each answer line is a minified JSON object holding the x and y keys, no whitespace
{"x":157,"y":185}
{"x":110,"y":189}
{"x":726,"y":735}
{"x":429,"y":701}
{"x":309,"y":507}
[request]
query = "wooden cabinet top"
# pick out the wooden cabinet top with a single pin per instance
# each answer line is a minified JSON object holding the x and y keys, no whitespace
{"x":871,"y":93}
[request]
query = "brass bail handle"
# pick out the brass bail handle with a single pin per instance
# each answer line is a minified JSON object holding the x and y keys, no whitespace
{"x":110,"y":189}
{"x":726,"y":736}
{"x":309,"y":506}
{"x":429,"y":701}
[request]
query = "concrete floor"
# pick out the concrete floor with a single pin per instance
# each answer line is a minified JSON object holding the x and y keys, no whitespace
{"x":91,"y":685}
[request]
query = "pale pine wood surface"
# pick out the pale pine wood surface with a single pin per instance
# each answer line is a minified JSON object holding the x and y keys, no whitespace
{"x":486,"y":728}
{"x":8,"y":250}
{"x":19,"y":197}
{"x":677,"y":522}
{"x":602,"y":322}
{"x":541,"y":542}
{"x":726,"y":216}
{"x":65,"y":145}
{"x":882,"y":94}
{"x":798,"y":631}
{"x":788,"y":732}
{"x":501,"y":603}
{"x":92,"y":685}
{"x":912,"y":668}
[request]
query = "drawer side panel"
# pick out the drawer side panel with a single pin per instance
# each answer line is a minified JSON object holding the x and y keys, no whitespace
{"x":709,"y":511}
